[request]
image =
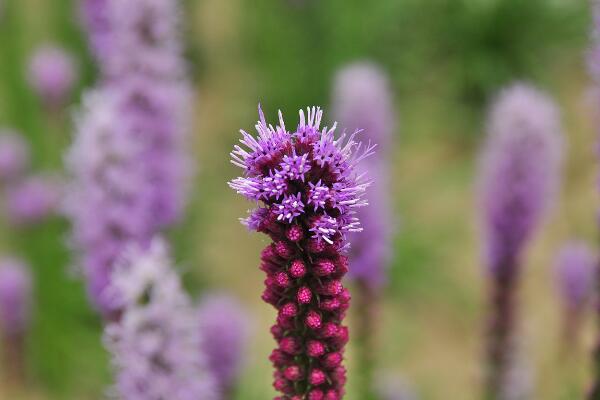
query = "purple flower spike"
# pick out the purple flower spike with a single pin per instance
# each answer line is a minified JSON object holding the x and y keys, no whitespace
{"x":224,"y":329}
{"x":520,"y":171}
{"x":362,"y":100}
{"x":156,"y":343}
{"x":519,"y":176}
{"x":96,"y":20}
{"x":14,"y":156}
{"x":31,"y":200}
{"x":15,"y":297}
{"x":308,"y":217}
{"x":52,"y":74}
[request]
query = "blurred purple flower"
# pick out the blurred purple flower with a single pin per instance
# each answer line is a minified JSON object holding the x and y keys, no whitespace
{"x":96,"y":20}
{"x":15,"y":296}
{"x":362,"y":99}
{"x":224,"y":329}
{"x":14,"y":155}
{"x":31,"y":200}
{"x":52,"y":74}
{"x":156,"y":343}
{"x":575,"y":275}
{"x":520,"y":171}
{"x":130,"y":177}
{"x":520,"y":174}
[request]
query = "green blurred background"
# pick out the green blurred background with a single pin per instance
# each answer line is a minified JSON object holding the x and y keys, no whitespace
{"x":445,"y":59}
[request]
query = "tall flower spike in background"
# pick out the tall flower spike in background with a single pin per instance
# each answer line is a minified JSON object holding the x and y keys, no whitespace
{"x":15,"y":314}
{"x":224,"y":328}
{"x":362,"y":99}
{"x":574,"y":284}
{"x":520,"y":173}
{"x":309,"y":190}
{"x":156,"y":344}
{"x":128,"y":163}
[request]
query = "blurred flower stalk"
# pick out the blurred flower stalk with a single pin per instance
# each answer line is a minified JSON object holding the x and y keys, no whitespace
{"x":362,"y":100}
{"x":519,"y":177}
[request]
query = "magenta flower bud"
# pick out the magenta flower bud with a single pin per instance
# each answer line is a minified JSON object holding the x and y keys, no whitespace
{"x":317,"y":377}
{"x":14,"y":156}
{"x":316,"y":394}
{"x":15,"y":297}
{"x":304,"y":295}
{"x":324,"y":267}
{"x":52,"y":74}
{"x":315,"y":348}
{"x":31,"y":200}
{"x":224,"y":329}
{"x":332,"y":360}
{"x":297,"y":269}
{"x":307,"y":179}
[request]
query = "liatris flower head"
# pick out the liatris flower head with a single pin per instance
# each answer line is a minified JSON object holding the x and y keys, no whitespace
{"x":224,"y":328}
{"x":362,"y":100}
{"x":31,"y":200}
{"x":156,"y":343}
{"x":52,"y":73}
{"x":309,"y":190}
{"x":520,"y":171}
{"x":575,"y":275}
{"x":14,"y":155}
{"x":15,"y":296}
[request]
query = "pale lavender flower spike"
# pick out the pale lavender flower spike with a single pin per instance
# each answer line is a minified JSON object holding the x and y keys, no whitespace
{"x":52,"y":74}
{"x":96,"y":21}
{"x":362,"y":100}
{"x":224,"y":328}
{"x":520,"y":170}
{"x":14,"y":155}
{"x":156,"y":343}
{"x":15,"y":296}
{"x":32,"y":199}
{"x":575,"y":275}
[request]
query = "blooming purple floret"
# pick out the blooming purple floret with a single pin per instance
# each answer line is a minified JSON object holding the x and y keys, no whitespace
{"x":575,"y":275}
{"x":309,"y":192}
{"x":14,"y":155}
{"x":32,"y":199}
{"x":362,"y":99}
{"x":15,"y":297}
{"x":52,"y":74}
{"x":224,"y":329}
{"x":520,"y":171}
{"x":156,"y":343}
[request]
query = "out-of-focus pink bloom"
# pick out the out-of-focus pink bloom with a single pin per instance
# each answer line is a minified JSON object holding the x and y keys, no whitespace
{"x":52,"y":74}
{"x":31,"y":200}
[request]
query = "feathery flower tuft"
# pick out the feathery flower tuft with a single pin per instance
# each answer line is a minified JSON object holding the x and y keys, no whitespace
{"x":14,"y":156}
{"x":156,"y":343}
{"x":15,"y":297}
{"x":224,"y":328}
{"x":52,"y":74}
{"x":309,"y":190}
{"x":519,"y":176}
{"x":362,"y":100}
